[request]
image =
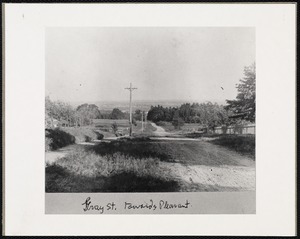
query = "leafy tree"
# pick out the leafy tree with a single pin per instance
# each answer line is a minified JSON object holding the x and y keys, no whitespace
{"x":159,"y":113}
{"x":58,"y":110}
{"x":177,"y":120}
{"x":117,"y":114}
{"x":207,"y":114}
{"x":186,"y":112}
{"x":86,"y":113}
{"x":243,"y":106}
{"x":137,"y":115}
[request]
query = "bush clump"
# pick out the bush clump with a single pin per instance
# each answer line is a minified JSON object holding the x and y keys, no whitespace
{"x":57,"y":138}
{"x":99,"y":136}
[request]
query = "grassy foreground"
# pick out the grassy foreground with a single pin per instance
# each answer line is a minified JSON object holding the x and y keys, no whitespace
{"x":243,"y":144}
{"x":134,"y":165}
{"x":82,"y":171}
{"x":185,"y":152}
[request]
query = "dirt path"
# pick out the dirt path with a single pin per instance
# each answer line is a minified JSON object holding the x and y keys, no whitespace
{"x":193,"y":178}
{"x":52,"y":156}
{"x":208,"y":178}
{"x":160,"y":131}
{"x":176,"y":139}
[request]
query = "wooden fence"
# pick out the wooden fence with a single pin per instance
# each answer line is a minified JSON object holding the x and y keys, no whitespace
{"x":246,"y":129}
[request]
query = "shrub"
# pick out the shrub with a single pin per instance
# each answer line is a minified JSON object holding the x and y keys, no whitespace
{"x":161,"y":123}
{"x":87,"y":139}
{"x":80,"y":133}
{"x":56,"y":138}
{"x":99,"y":136}
{"x":238,"y":129}
{"x":224,"y":129}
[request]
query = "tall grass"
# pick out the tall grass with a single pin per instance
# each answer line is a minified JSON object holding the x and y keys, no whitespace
{"x":82,"y":171}
{"x":93,"y":165}
{"x":141,"y":147}
{"x":244,"y":144}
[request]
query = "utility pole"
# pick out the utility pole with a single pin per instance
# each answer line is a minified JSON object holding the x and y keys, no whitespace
{"x":130,"y":107}
{"x":142,"y":121}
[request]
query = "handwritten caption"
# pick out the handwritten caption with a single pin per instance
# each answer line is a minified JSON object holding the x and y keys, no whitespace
{"x":89,"y":205}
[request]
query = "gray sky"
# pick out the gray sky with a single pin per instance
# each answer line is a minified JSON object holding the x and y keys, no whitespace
{"x":164,"y":63}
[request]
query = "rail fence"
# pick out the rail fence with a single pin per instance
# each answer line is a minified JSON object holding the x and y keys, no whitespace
{"x":246,"y":129}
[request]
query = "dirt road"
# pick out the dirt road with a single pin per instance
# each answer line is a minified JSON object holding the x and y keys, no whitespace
{"x":195,"y":178}
{"x":160,"y":131}
{"x":197,"y":164}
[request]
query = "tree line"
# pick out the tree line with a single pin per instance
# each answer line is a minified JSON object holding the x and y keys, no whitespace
{"x":68,"y":115}
{"x":78,"y":116}
{"x":206,"y":114}
{"x":210,"y":115}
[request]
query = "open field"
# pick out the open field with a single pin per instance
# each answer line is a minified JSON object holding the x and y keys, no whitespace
{"x":184,"y":152}
{"x":109,"y":122}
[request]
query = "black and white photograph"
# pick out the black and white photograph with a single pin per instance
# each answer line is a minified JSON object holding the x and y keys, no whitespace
{"x":145,"y":109}
{"x":149,"y":119}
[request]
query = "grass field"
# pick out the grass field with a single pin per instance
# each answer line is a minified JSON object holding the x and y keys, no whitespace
{"x":187,"y":127}
{"x":109,"y":122}
{"x":185,"y":152}
{"x":244,"y":144}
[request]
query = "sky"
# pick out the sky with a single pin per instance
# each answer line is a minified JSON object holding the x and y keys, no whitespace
{"x":165,"y":63}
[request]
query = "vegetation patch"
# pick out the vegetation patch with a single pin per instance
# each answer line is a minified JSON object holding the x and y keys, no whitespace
{"x":134,"y":147}
{"x":57,"y":138}
{"x":82,"y":171}
{"x":184,"y":152}
{"x":61,"y":137}
{"x":244,"y":144}
{"x":83,"y":134}
{"x":203,"y":135}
